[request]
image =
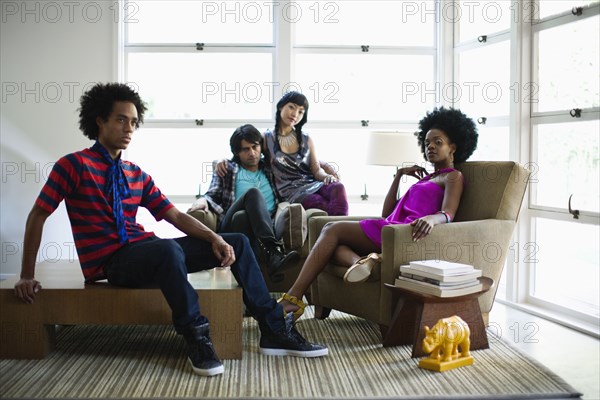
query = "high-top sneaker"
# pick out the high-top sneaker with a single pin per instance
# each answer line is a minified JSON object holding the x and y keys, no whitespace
{"x":288,"y":342}
{"x":201,"y":353}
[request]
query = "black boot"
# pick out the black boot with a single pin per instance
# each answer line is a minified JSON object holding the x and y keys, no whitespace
{"x":201,"y":353}
{"x":277,"y":258}
{"x":288,"y":342}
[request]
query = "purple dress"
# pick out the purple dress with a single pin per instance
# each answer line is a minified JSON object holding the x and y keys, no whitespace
{"x":421,"y":199}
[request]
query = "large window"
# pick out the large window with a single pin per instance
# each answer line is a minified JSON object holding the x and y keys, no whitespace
{"x":204,"y":86}
{"x":368,"y":65}
{"x":565,"y":121}
{"x":527,"y":71}
{"x":482,"y":81}
{"x":482,"y":85}
{"x":187,"y":22}
{"x":206,"y":67}
{"x":203,"y":68}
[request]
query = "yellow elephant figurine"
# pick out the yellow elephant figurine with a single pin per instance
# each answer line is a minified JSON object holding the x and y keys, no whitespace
{"x":443,"y":340}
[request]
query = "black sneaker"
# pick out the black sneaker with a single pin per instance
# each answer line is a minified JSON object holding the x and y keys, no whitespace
{"x":289,"y":343}
{"x":201,"y":352}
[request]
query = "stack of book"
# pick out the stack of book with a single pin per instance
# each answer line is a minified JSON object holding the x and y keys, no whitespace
{"x":440,"y":278}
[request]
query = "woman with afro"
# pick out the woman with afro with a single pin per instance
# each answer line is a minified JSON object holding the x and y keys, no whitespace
{"x":445,"y":137}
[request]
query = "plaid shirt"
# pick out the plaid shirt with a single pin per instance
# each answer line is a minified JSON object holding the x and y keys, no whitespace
{"x":221,"y":192}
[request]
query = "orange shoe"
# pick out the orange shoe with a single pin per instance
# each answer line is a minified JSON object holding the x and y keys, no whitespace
{"x":360,"y":271}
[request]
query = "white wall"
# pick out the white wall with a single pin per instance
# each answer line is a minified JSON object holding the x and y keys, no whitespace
{"x":50,"y":52}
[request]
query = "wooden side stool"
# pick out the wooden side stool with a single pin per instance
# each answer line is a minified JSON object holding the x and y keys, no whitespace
{"x":416,"y":310}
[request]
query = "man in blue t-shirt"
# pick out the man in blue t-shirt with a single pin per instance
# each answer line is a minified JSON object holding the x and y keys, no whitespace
{"x":247,"y":187}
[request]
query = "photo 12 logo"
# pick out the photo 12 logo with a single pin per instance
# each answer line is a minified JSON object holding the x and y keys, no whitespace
{"x":23,"y":172}
{"x":254,"y":12}
{"x":48,"y":92}
{"x":255,"y":92}
{"x":49,"y":252}
{"x":490,"y":12}
{"x":53,"y":12}
{"x":469,"y":92}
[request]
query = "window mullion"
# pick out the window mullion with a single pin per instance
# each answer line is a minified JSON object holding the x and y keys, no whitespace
{"x":566,"y":17}
{"x":560,"y":116}
{"x":283,"y":62}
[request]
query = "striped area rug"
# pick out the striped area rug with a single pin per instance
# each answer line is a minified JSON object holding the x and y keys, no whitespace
{"x":150,"y":362}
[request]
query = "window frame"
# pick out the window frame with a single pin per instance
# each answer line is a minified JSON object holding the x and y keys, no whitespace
{"x":520,"y":292}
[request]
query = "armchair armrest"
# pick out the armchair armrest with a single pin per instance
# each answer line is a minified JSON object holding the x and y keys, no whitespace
{"x":207,"y":217}
{"x":315,"y":212}
{"x":483,"y":244}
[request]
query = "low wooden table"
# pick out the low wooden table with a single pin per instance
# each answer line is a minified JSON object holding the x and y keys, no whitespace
{"x":28,"y":330}
{"x":415,"y":310}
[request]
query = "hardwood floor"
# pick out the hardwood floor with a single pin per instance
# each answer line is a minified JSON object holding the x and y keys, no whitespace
{"x":572,"y":355}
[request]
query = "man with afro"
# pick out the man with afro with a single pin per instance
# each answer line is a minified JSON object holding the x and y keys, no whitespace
{"x":102,"y":193}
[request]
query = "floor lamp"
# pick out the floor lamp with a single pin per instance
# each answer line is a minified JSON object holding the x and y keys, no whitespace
{"x":393,"y":148}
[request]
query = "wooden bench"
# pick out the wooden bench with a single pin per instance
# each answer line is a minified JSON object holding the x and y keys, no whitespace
{"x":27,"y":331}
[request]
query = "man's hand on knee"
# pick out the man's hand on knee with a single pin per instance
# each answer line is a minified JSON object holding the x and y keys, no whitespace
{"x":224,"y":252}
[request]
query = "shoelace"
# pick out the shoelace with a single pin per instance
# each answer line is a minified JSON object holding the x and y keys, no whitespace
{"x":204,"y":350}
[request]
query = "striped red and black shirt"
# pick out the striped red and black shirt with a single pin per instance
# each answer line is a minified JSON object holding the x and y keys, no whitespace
{"x":79,"y":179}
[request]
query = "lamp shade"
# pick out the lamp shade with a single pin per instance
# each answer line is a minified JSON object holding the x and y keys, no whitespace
{"x":393,"y":148}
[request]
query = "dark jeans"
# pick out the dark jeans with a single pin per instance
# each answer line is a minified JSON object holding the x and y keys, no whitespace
{"x":166,"y":262}
{"x":255,"y":222}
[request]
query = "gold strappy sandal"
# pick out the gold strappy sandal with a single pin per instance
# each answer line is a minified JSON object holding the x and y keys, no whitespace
{"x":294,"y":300}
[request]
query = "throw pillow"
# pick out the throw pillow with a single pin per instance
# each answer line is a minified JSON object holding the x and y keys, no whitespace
{"x":291,"y":225}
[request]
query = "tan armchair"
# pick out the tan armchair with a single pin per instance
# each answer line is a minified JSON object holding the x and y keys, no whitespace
{"x":480,"y":235}
{"x":291,"y":225}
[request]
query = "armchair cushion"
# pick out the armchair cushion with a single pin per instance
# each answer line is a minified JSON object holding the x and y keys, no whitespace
{"x":494,"y":189}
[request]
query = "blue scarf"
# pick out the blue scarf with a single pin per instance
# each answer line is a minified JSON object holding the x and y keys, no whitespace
{"x":116,"y":187}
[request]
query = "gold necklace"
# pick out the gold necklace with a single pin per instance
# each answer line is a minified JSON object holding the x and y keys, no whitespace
{"x":287,"y":140}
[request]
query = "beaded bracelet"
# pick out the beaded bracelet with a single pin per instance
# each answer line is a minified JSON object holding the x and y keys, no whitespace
{"x":447,"y":215}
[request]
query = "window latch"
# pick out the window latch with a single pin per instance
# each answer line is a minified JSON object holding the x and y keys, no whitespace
{"x":575,"y":113}
{"x":577,"y":11}
{"x":364,"y":48}
{"x":364,"y":122}
{"x":481,"y":120}
{"x":200,"y":46}
{"x":574,"y":213}
{"x":482,"y":39}
{"x":199,"y":122}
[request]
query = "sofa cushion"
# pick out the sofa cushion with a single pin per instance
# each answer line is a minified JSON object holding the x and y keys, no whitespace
{"x":291,"y":225}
